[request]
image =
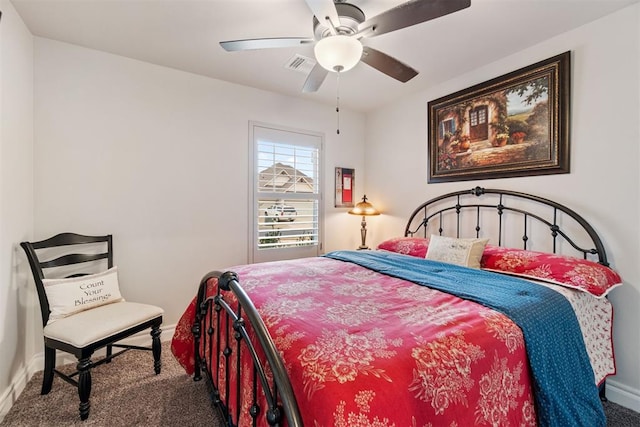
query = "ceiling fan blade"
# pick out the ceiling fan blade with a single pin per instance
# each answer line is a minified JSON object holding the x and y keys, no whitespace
{"x":410,"y":13}
{"x":323,"y":9}
{"x":252,"y":44}
{"x":315,"y":79}
{"x":387,"y":65}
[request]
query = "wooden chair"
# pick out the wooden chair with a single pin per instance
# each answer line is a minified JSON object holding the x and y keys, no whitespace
{"x":84,"y":332}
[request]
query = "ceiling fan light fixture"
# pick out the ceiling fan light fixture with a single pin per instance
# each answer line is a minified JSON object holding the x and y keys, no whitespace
{"x":338,"y":53}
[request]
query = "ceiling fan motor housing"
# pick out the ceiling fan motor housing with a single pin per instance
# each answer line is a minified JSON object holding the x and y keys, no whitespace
{"x":350,"y":17}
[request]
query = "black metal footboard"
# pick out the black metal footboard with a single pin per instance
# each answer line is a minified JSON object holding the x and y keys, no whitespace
{"x":225,"y":333}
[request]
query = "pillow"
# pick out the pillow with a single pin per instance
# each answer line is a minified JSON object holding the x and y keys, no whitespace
{"x":576,"y":273}
{"x":464,"y":252}
{"x":75,"y":294}
{"x":414,"y":246}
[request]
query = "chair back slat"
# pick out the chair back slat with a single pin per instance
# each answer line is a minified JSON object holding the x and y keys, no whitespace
{"x":67,"y":242}
{"x":70,"y":259}
{"x":65,"y":239}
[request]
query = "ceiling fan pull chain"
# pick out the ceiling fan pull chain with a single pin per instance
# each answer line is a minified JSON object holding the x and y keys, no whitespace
{"x":338,"y":101}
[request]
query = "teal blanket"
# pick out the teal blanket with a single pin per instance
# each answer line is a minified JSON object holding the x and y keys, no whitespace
{"x":563,"y":380}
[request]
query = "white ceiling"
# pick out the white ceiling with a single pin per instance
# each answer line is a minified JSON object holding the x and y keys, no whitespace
{"x":184,"y":34}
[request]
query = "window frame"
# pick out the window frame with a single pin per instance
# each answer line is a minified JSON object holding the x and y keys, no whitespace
{"x":255,"y":195}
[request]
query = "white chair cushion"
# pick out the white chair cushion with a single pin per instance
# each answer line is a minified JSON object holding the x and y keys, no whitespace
{"x":89,"y":326}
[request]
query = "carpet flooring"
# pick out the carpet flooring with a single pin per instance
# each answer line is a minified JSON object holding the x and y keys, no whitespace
{"x":126,"y":392}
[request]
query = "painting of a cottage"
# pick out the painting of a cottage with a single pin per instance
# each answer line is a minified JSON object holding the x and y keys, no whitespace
{"x":511,"y":126}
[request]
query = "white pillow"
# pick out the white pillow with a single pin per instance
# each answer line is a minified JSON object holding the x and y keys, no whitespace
{"x":72,"y":295}
{"x":464,"y":252}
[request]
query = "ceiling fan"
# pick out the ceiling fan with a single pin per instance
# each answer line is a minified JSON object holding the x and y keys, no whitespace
{"x":339,"y":27}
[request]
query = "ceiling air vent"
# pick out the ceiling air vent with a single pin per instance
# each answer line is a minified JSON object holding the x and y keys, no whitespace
{"x":300,"y":63}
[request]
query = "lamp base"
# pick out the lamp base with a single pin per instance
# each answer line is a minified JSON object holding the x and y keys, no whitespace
{"x":363,"y":234}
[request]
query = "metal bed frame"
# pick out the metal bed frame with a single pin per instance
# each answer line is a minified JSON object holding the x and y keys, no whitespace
{"x":470,"y":201}
{"x":224,"y":332}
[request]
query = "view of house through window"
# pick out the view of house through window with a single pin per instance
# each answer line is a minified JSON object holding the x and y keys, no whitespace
{"x":286,"y":193}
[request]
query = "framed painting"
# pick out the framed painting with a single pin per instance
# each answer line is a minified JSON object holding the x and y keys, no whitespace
{"x":514,"y":125}
{"x":345,"y":179}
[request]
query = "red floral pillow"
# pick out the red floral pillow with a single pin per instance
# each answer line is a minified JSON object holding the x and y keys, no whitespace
{"x":414,"y":246}
{"x":581,"y":274}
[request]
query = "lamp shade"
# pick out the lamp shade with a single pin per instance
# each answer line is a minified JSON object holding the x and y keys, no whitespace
{"x":364,"y":208}
{"x":338,"y":53}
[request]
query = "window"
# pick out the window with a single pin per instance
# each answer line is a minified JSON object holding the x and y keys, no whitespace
{"x":447,"y":126}
{"x":474,"y":117}
{"x":286,"y":204}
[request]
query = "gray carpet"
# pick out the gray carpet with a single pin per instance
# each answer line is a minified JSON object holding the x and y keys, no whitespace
{"x":619,"y":416}
{"x":124,"y":392}
{"x":127,"y":393}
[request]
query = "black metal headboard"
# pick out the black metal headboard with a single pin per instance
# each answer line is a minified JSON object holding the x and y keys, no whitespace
{"x":464,"y":214}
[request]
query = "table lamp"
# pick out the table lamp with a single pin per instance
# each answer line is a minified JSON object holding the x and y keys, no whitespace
{"x":364,"y":209}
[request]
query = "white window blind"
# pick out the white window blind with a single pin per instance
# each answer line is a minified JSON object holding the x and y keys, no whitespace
{"x":286,"y":193}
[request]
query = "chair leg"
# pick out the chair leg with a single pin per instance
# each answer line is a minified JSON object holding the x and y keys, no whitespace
{"x":49,"y":366}
{"x":156,"y":348}
{"x":84,"y":386}
{"x":109,"y":352}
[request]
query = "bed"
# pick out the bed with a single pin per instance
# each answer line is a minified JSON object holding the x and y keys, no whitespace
{"x":490,"y":309}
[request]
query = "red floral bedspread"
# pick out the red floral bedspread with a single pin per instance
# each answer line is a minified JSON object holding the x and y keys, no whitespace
{"x":365,"y":349}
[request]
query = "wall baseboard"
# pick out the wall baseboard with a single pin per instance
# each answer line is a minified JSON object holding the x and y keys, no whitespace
{"x":36,"y":363}
{"x":19,"y":382}
{"x":623,"y":395}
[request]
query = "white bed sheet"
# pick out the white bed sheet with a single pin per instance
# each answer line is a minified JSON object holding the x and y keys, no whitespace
{"x":595,"y":316}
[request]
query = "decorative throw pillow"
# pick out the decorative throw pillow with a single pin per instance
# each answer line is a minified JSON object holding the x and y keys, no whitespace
{"x":75,"y":294}
{"x":576,"y":273}
{"x":464,"y":252}
{"x":414,"y":246}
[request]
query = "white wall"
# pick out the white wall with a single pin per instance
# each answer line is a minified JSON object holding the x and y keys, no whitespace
{"x":604,"y":178}
{"x":17,"y":302}
{"x":159,"y":158}
{"x":155,"y":156}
